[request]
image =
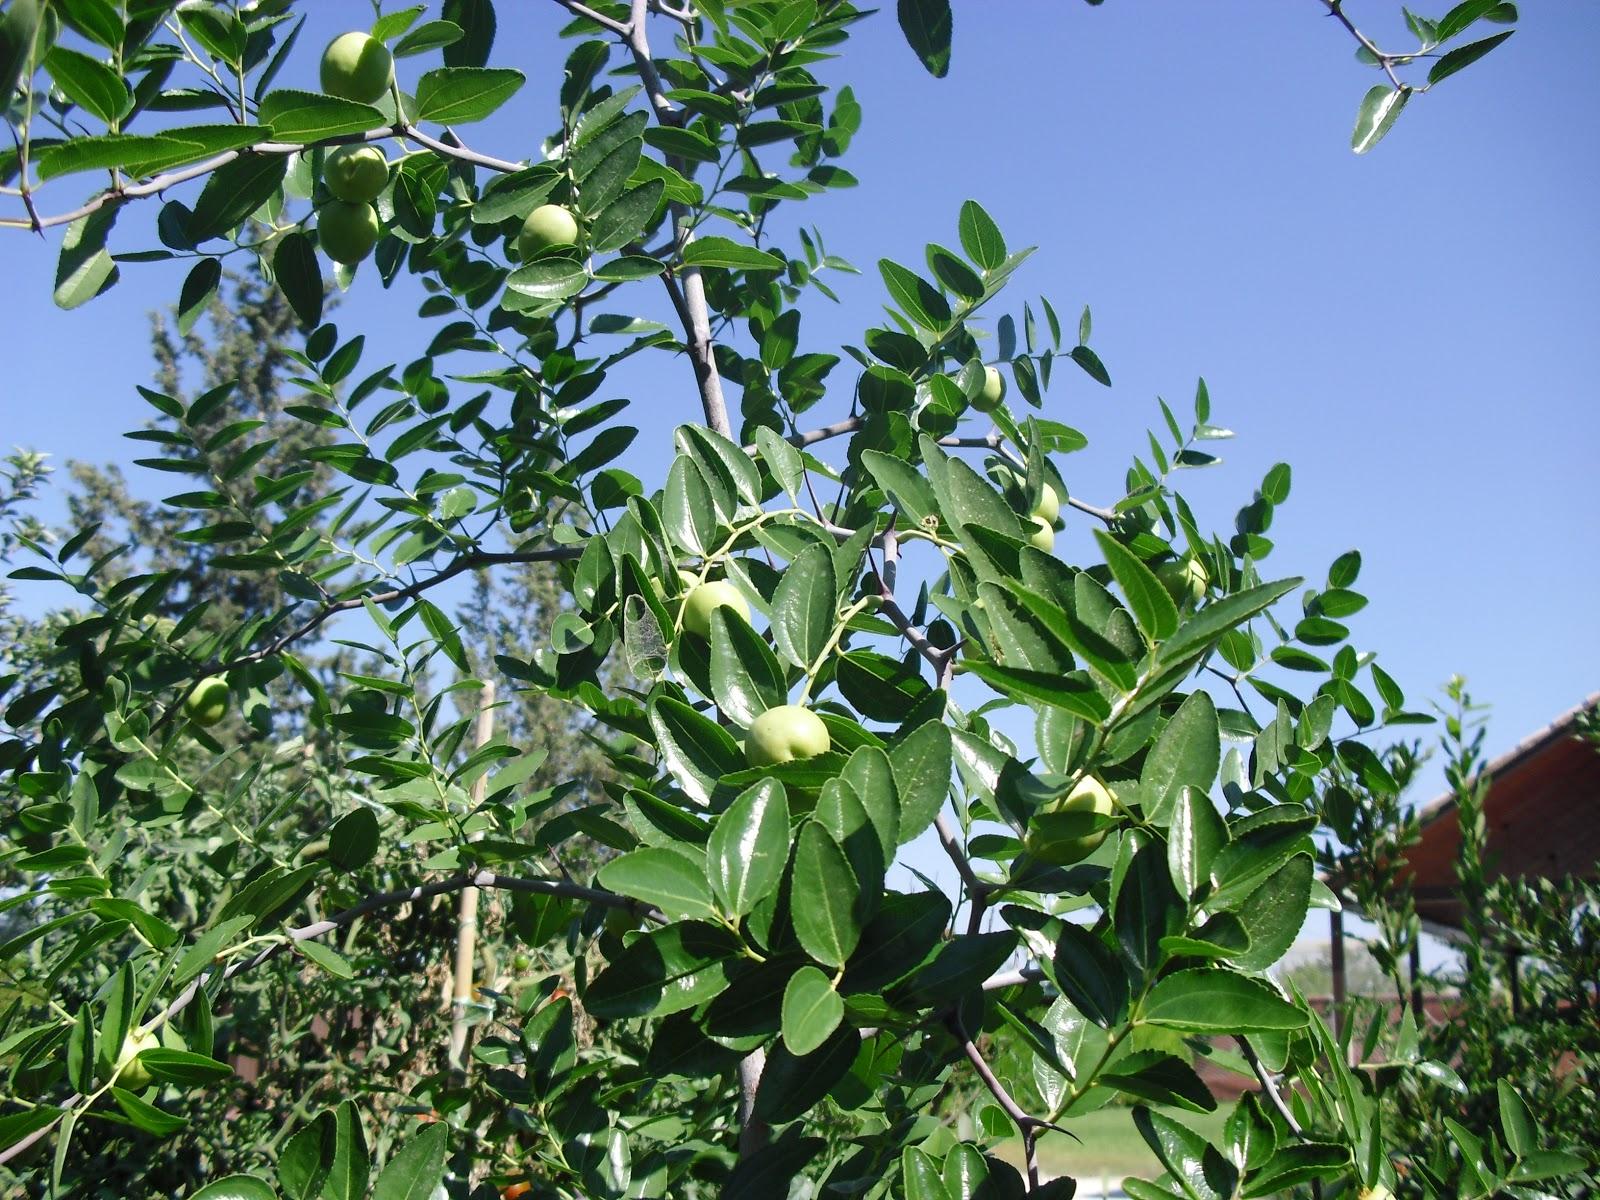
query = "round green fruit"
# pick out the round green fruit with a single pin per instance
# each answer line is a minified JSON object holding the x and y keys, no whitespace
{"x":1043,"y":536}
{"x":358,"y":67}
{"x":356,"y":173}
{"x":1185,"y":579}
{"x":1049,"y":506}
{"x":208,"y":703}
{"x":620,"y":921}
{"x":521,"y":962}
{"x":1044,"y":840}
{"x":784,"y":734}
{"x":347,"y":231}
{"x":993,"y":391}
{"x":697,"y":606}
{"x":548,"y":225}
{"x":131,"y":1073}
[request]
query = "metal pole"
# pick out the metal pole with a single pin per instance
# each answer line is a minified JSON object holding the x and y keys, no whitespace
{"x":1336,"y":962}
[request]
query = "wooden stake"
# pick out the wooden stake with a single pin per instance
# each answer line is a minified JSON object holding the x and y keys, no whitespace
{"x":467,"y":922}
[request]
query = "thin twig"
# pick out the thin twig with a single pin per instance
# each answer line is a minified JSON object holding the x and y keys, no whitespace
{"x":160,"y":183}
{"x":467,"y":562}
{"x":1269,"y":1087}
{"x":605,"y":22}
{"x":1027,"y":1125}
{"x":1386,"y":61}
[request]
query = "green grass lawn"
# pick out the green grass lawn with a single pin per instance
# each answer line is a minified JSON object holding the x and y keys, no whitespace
{"x":1109,"y":1145}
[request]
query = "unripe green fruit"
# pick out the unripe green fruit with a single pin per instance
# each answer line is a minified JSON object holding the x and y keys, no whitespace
{"x":356,"y":66}
{"x":131,"y":1073}
{"x":521,"y":962}
{"x":1185,"y":579}
{"x":784,"y":734}
{"x":208,"y":703}
{"x":356,"y":173}
{"x":1043,"y":536}
{"x":703,"y":598}
{"x":1089,"y":796}
{"x":620,"y":921}
{"x":1049,"y":506}
{"x":993,"y":391}
{"x":347,"y":231}
{"x":548,"y":225}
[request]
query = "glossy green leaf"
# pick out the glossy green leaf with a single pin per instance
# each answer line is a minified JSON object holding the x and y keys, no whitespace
{"x":791,"y":1084}
{"x":1186,"y":754}
{"x":664,"y":971}
{"x":431,"y":35}
{"x":417,"y":1168}
{"x":199,"y":286}
{"x":89,"y":83}
{"x":85,"y":268}
{"x":980,"y":237}
{"x":803,"y":606}
{"x":234,"y":191}
{"x":746,"y":677}
{"x":307,"y":1158}
{"x":917,"y":298}
{"x":1090,"y":975}
{"x":1274,"y":914}
{"x":625,"y":218}
{"x":310,"y":116}
{"x":1148,"y":600}
{"x":1194,"y":835}
{"x":1161,"y":1079}
{"x":1464,"y":56}
{"x":926,"y":25}
{"x":749,"y":848}
{"x":1215,"y":619}
{"x":717,"y":251}
{"x":18,"y":26}
{"x":183,"y":1068}
{"x":235,"y":1187}
{"x":920,"y":1176}
{"x":454,"y":95}
{"x":923,"y":761}
{"x":697,"y":750}
{"x":812,"y":1010}
{"x":1213,"y":1000}
{"x":827,"y":911}
{"x":783,"y":460}
{"x":1380,"y":109}
{"x":1197,"y":1166}
{"x":1295,"y":1165}
{"x":666,"y":878}
{"x":1075,"y":693}
{"x":299,"y":274}
{"x":1092,"y":366}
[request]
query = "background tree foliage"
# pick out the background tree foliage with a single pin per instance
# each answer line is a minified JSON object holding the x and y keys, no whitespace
{"x":710,"y":987}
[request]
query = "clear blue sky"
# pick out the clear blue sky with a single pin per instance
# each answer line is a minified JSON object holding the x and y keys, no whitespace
{"x":1415,"y":330}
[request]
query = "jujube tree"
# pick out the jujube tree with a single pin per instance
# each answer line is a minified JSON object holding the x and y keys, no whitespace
{"x":790,"y":689}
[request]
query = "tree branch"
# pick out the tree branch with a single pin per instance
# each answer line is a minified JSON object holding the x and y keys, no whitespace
{"x":1386,"y":61}
{"x":1028,"y":1126}
{"x":467,"y":562}
{"x":989,"y":441}
{"x":1269,"y":1087}
{"x":160,"y":183}
{"x":583,"y":10}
